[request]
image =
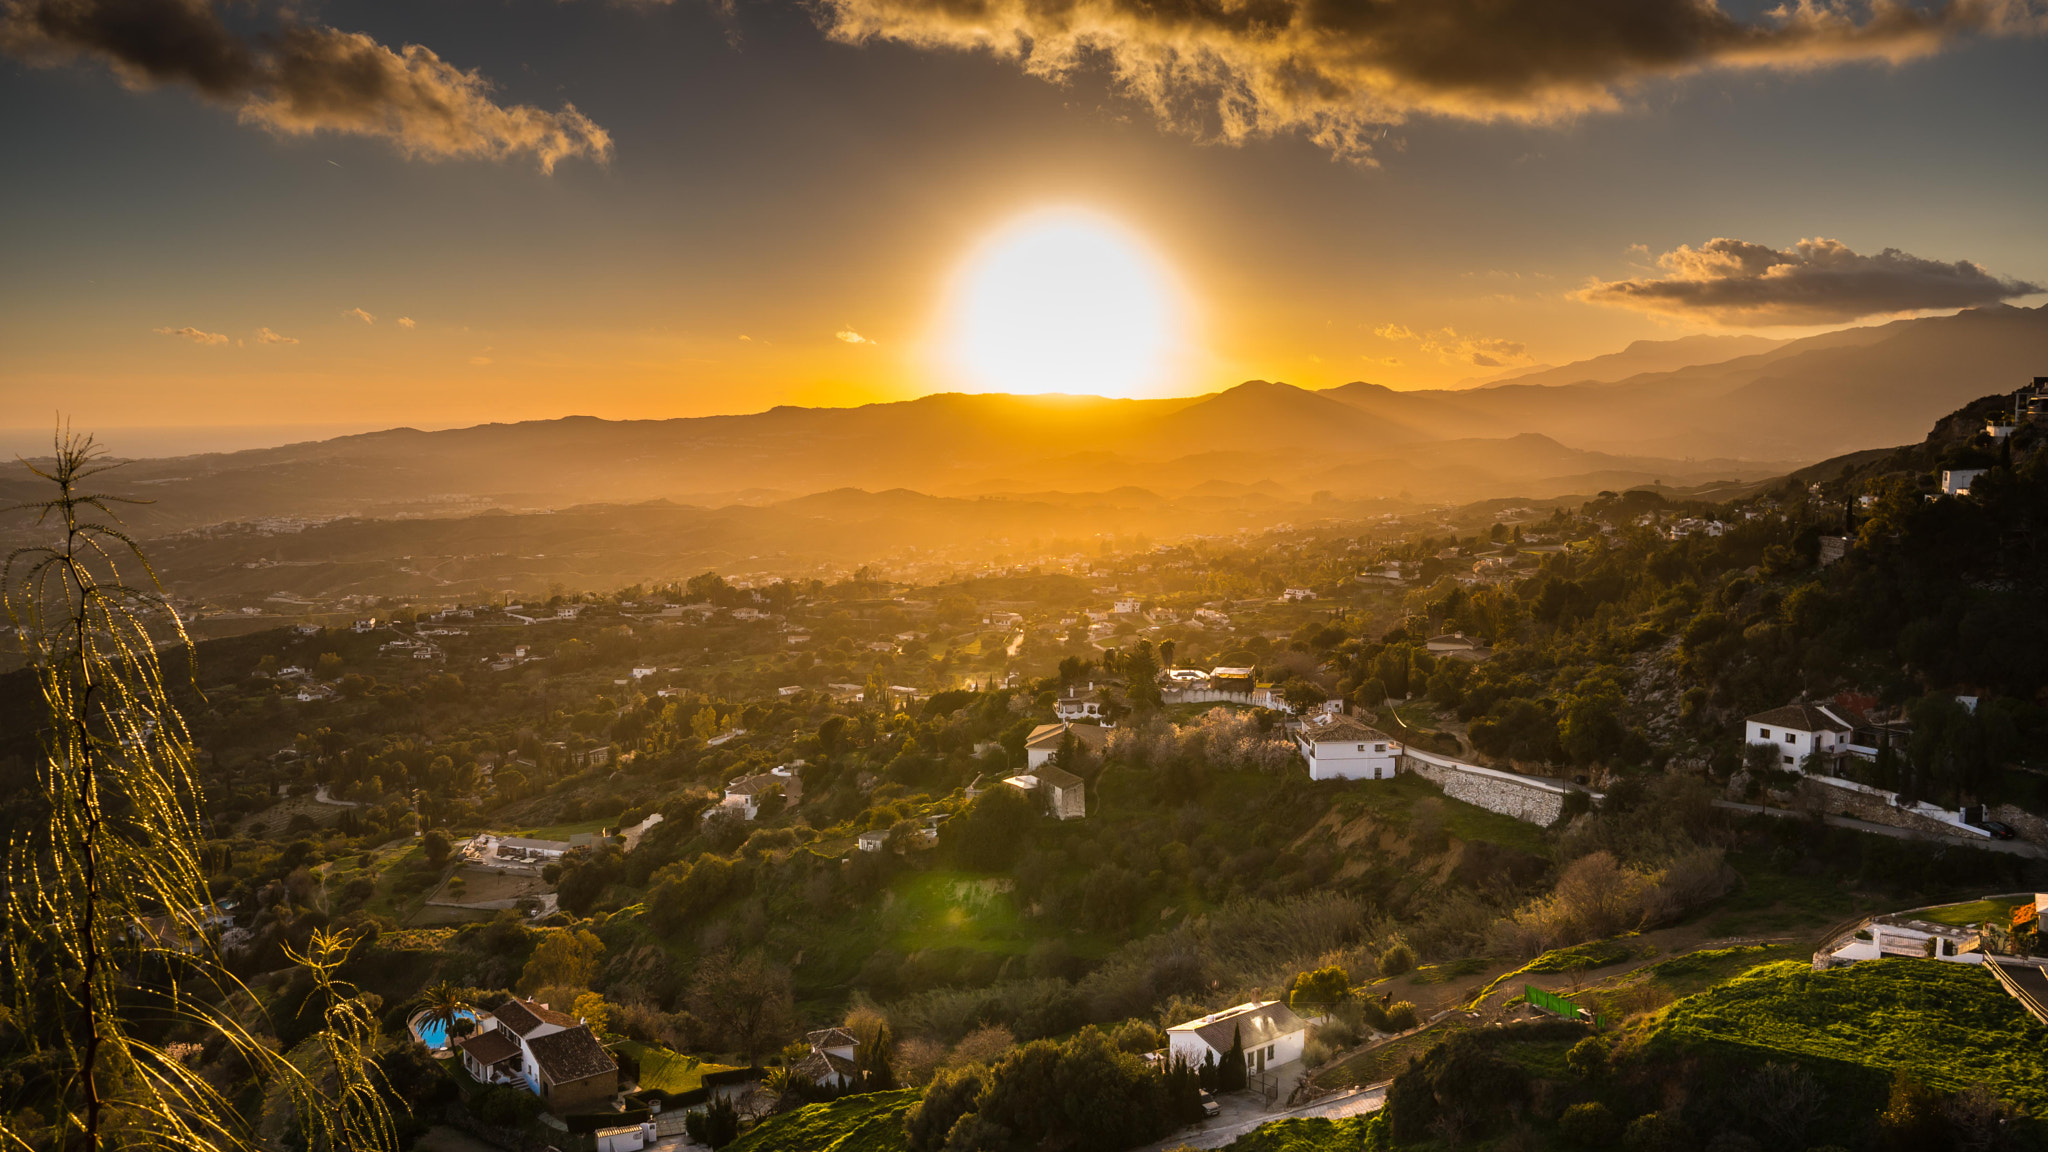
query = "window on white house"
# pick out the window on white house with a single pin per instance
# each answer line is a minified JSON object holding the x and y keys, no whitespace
{"x":1379,"y":747}
{"x":1788,"y":760}
{"x":1361,"y":747}
{"x":1763,"y":733}
{"x":1791,"y":737}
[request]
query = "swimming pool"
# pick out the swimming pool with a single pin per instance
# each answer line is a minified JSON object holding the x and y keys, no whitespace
{"x":433,"y":1033}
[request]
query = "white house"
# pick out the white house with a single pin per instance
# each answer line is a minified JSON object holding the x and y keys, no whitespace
{"x":1064,"y":794}
{"x":1271,"y":1033}
{"x":1045,"y":740}
{"x":643,"y":673}
{"x":1298,"y":594}
{"x":874,"y":841}
{"x":521,"y":848}
{"x":1081,"y":704}
{"x":1340,"y":748}
{"x":1003,"y":619}
{"x":831,"y":1062}
{"x":1128,"y":607}
{"x":744,"y":794}
{"x":1957,"y":481}
{"x":551,"y":1054}
{"x":1799,"y":731}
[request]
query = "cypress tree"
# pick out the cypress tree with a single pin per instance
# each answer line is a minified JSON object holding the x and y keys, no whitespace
{"x":1230,"y":1075}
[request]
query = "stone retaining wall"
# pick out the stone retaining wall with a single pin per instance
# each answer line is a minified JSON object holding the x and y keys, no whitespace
{"x":2025,"y":825}
{"x":1815,"y":795}
{"x":1494,"y":791}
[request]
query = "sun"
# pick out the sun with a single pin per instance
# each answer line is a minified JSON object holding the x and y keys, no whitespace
{"x":1064,"y":300}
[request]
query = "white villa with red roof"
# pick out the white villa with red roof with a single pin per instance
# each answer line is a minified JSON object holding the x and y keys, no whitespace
{"x":1801,"y":730}
{"x":551,"y":1054}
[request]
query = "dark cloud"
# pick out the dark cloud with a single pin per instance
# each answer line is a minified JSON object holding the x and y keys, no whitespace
{"x":305,"y":79}
{"x":1815,"y":281}
{"x":1342,"y":70}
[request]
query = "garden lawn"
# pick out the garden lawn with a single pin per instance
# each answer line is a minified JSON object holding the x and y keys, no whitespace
{"x":564,"y":831}
{"x":1972,"y":914}
{"x":872,"y":1122}
{"x":957,"y":910}
{"x":667,"y":1071}
{"x":1949,"y":1025}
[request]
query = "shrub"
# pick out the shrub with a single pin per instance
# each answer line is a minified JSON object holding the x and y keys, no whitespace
{"x":1397,"y":960}
{"x":1401,"y":1016}
{"x":1588,"y":1058}
{"x":1589,"y":1125}
{"x":1656,"y":1132}
{"x":717,"y":1125}
{"x":953,"y":1093}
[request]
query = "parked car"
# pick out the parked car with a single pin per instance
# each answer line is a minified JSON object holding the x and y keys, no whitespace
{"x":1999,"y":829}
{"x":1209,"y":1105}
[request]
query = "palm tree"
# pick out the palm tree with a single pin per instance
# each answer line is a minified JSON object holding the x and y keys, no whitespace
{"x":445,"y":1005}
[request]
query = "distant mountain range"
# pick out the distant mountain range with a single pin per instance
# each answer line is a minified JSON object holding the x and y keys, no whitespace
{"x":1640,"y":357}
{"x":1203,"y":463}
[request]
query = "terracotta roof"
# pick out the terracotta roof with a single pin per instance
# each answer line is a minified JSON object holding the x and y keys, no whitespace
{"x":1335,"y":728}
{"x":487,"y":1048}
{"x":1801,"y":718}
{"x":1258,"y":1024}
{"x":1091,"y":736}
{"x":1053,"y":776}
{"x":523,"y":1016}
{"x":832,"y":1038}
{"x":571,"y":1054}
{"x":1043,"y":731}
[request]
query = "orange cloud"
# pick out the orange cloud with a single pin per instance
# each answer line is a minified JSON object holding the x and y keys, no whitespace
{"x":193,"y":334}
{"x":1817,"y":281}
{"x":304,"y":79}
{"x":1341,"y":71}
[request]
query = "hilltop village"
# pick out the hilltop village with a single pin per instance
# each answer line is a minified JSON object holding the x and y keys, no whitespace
{"x":1489,"y":826}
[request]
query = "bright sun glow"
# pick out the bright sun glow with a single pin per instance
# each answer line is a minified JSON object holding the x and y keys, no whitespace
{"x":1065,"y":301}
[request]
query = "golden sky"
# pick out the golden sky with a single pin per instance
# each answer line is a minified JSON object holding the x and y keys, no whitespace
{"x":652,"y":210}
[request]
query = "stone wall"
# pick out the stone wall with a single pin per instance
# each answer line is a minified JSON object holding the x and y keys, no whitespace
{"x":1815,"y":794}
{"x":2027,"y":826}
{"x":1538,"y":803}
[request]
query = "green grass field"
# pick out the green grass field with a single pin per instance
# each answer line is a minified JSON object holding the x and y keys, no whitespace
{"x":1950,"y":1025}
{"x":564,"y":831}
{"x":1973,"y":913}
{"x":868,"y":1123}
{"x":956,"y":910}
{"x":667,"y":1071}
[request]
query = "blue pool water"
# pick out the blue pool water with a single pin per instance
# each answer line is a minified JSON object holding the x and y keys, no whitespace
{"x":433,"y":1034}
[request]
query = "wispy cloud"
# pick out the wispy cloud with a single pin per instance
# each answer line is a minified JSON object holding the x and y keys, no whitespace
{"x":407,"y":322}
{"x":266,"y":336}
{"x":1451,"y":348}
{"x":1343,"y":71}
{"x":301,"y":79}
{"x":1818,"y":281}
{"x":193,"y":334}
{"x":852,"y":337}
{"x":359,"y":314}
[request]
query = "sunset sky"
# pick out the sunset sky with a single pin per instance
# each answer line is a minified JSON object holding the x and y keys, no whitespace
{"x":644,"y":209}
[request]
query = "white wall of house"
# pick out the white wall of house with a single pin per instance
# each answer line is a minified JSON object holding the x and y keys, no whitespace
{"x":1191,"y":1047}
{"x":1795,"y":745}
{"x":1350,"y":760}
